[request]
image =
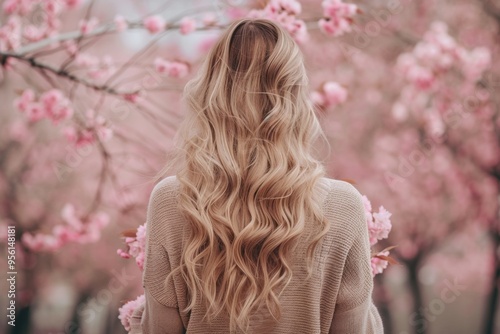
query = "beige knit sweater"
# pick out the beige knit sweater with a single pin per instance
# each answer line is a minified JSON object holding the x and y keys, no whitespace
{"x":337,"y":299}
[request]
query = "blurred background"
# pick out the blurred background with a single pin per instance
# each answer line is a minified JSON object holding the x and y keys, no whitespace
{"x":90,"y":91}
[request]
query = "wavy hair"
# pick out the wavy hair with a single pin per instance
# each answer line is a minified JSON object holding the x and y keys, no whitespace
{"x":248,"y":177}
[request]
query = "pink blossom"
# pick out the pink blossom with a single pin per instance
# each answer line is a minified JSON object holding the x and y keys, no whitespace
{"x":404,"y":62}
{"x":56,"y":105}
{"x":21,"y":7}
{"x":422,"y":77}
{"x":85,"y":137}
{"x":127,"y":310}
{"x":367,"y":204}
{"x":336,"y":8}
{"x":70,"y":133}
{"x":105,"y":133}
{"x":52,"y":7}
{"x":178,"y":70}
{"x":154,"y":24}
{"x":161,"y":65}
{"x":476,"y":62}
{"x":87,"y":26}
{"x":61,"y":113}
{"x":100,"y":220}
{"x":284,"y":12}
{"x":70,"y":46}
{"x":27,"y":97}
{"x":123,"y":254}
{"x":73,"y":3}
{"x":102,"y":67}
{"x":35,"y":112}
{"x":380,"y":226}
{"x":68,"y":214}
{"x":317,"y":98}
{"x":292,"y":7}
{"x":10,"y":6}
{"x":79,"y":137}
{"x":334,"y":28}
{"x":52,"y":98}
{"x":10,"y":34}
{"x":334,"y":93}
{"x":120,"y":23}
{"x":40,"y":242}
{"x":141,"y":236}
{"x":172,"y":69}
{"x":76,"y":228}
{"x":136,"y":246}
{"x":65,"y":234}
{"x":378,"y":265}
{"x":133,"y":97}
{"x":328,"y":27}
{"x":298,"y":29}
{"x":33,"y":33}
{"x":187,"y":25}
{"x":139,"y":260}
{"x":338,"y":17}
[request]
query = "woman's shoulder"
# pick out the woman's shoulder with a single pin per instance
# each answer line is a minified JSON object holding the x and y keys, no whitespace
{"x":342,"y":190}
{"x":163,"y":215}
{"x":344,"y":204}
{"x":164,"y":194}
{"x":168,"y":184}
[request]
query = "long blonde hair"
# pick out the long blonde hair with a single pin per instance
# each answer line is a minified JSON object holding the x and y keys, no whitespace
{"x":248,"y":177}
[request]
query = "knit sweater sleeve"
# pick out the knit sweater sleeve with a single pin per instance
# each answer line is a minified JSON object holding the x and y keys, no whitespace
{"x":161,"y":313}
{"x":355,"y":312}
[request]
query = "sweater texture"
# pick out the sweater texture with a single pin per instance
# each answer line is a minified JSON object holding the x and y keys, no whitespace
{"x":336,"y":299}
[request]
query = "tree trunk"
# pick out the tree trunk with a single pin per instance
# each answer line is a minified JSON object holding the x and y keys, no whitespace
{"x":23,"y":321}
{"x":75,"y":324}
{"x":383,"y":300}
{"x":417,"y":320}
{"x":492,"y":302}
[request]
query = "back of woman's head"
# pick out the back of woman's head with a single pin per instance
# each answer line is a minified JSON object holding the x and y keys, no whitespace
{"x":248,"y":177}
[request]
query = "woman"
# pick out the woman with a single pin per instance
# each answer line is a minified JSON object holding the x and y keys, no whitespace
{"x":250,"y":236}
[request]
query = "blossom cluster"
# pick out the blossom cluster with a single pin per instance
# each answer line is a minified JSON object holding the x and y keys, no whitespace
{"x":156,"y":24}
{"x":379,"y":225}
{"x":338,"y":17}
{"x":15,"y":32}
{"x":331,"y":94}
{"x":172,"y":69}
{"x":52,"y":105}
{"x":94,"y":67}
{"x":437,"y":54}
{"x":76,"y":228}
{"x":128,"y":309}
{"x":285,"y":13}
{"x":95,"y":128}
{"x":136,"y":246}
{"x":425,"y":71}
